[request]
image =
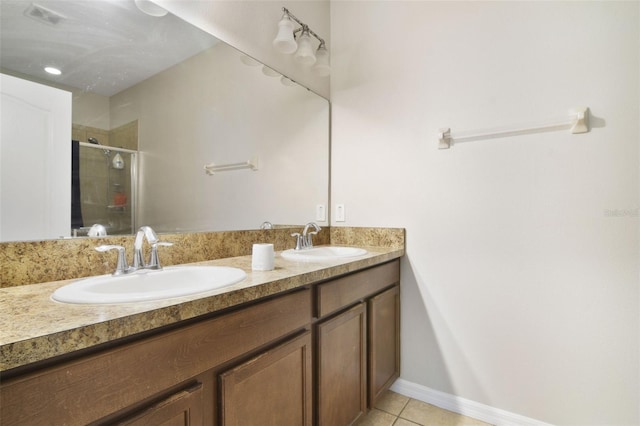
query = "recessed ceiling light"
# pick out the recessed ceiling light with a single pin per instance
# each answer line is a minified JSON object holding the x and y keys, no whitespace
{"x":52,"y":70}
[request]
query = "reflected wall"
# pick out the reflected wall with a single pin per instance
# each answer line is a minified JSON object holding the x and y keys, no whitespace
{"x":229,"y":113}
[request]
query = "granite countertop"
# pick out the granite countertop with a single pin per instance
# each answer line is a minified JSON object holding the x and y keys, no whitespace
{"x":33,"y":327}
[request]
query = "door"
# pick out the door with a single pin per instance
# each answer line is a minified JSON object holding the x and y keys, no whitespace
{"x":35,"y":161}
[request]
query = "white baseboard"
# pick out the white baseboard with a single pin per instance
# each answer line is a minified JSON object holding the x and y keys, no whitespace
{"x":466,"y":407}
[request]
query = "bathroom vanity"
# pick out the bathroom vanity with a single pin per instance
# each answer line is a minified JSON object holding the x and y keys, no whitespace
{"x":305,"y":344}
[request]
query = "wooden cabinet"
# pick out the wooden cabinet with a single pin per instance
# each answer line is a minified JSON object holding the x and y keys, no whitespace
{"x":358,"y":342}
{"x":320,"y":355}
{"x":274,"y":388}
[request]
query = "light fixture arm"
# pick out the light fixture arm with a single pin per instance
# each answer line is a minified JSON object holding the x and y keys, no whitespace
{"x":303,"y":26}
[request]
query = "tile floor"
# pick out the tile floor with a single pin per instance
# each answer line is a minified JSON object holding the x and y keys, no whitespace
{"x":394,"y":409}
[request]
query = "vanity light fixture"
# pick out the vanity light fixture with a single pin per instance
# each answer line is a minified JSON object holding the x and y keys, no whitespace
{"x":298,"y":41}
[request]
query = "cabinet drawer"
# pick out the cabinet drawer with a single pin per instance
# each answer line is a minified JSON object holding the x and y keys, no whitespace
{"x":91,"y":387}
{"x":345,"y":291}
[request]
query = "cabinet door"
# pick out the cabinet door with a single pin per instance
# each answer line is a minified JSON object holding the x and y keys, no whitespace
{"x":384,"y":342}
{"x":273,"y":388}
{"x":184,"y":408}
{"x":342,"y":368}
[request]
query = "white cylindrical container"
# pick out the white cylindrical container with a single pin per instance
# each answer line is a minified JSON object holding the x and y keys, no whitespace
{"x":263,"y":257}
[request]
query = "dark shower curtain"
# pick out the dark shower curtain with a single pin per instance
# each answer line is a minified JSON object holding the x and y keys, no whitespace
{"x":76,"y":210}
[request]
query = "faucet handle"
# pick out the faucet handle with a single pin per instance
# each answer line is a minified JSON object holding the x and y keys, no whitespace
{"x":298,"y":240}
{"x":155,"y":259}
{"x":122,"y":266}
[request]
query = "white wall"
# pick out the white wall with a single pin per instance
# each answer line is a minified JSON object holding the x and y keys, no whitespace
{"x":251,"y":27}
{"x":90,"y":109}
{"x":520,"y":289}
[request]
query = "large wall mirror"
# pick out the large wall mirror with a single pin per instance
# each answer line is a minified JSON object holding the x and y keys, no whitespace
{"x":154,"y":101}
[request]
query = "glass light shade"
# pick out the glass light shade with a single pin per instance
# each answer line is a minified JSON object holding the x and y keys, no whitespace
{"x":151,"y":8}
{"x":304,"y":55}
{"x":247,"y":60}
{"x":322,"y":68}
{"x":270,"y":72}
{"x":284,"y":41}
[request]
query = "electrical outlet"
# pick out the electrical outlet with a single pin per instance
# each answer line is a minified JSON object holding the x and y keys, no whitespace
{"x":321,"y":213}
{"x":339,"y":212}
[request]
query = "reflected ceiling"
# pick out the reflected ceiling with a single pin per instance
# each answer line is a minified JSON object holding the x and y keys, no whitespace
{"x":114,"y":53}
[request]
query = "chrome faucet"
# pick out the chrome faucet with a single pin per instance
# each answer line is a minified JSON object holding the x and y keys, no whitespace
{"x":152,"y":238}
{"x":304,"y":241}
{"x":97,"y":230}
{"x":145,"y":232}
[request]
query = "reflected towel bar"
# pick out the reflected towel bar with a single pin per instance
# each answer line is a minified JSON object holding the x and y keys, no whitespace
{"x":577,"y":122}
{"x":213,"y":168}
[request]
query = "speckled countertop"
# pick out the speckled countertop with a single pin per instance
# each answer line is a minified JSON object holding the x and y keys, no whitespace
{"x":34,"y":328}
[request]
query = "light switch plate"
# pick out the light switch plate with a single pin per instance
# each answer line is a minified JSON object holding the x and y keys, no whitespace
{"x":321,"y":213}
{"x":339,"y":212}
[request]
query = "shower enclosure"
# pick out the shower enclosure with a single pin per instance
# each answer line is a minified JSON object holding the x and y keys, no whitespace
{"x":105,"y":188}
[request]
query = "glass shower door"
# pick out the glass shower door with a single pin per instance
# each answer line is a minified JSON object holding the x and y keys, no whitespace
{"x":107,"y":183}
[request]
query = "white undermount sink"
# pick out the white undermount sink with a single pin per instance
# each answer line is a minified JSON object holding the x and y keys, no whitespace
{"x":145,"y":285}
{"x":316,"y":254}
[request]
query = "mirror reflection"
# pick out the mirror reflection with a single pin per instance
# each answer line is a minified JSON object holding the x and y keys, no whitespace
{"x":155,"y":100}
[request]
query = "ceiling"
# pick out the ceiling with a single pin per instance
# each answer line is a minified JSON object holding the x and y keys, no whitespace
{"x":101,"y":46}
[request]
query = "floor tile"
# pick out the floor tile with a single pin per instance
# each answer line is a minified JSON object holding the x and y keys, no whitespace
{"x":427,"y":414}
{"x":403,"y":422}
{"x":376,"y":418}
{"x":397,"y":410}
{"x":392,"y":402}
